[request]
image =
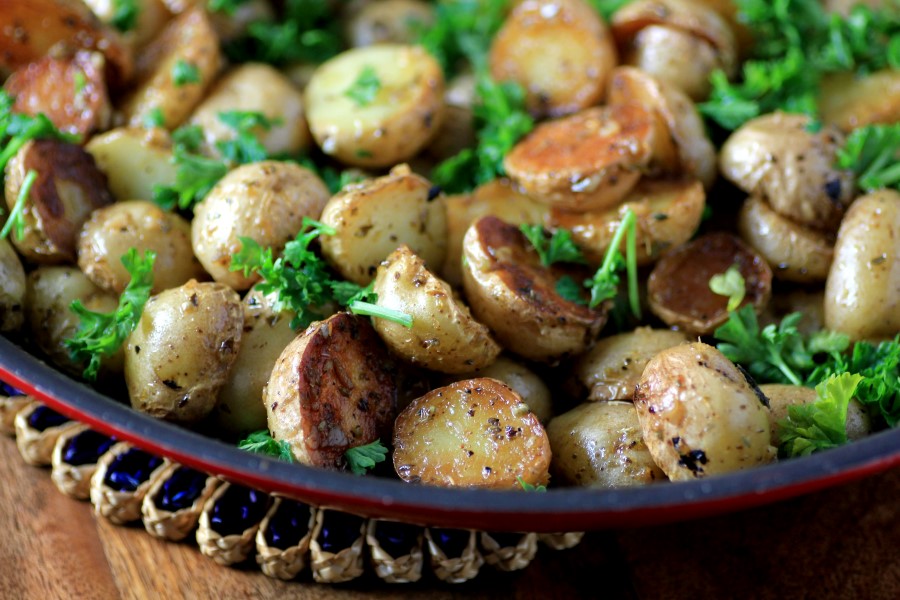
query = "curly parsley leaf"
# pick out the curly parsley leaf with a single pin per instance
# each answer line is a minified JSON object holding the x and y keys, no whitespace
{"x":604,"y":285}
{"x":125,"y":14}
{"x":184,"y":72}
{"x":363,"y":458}
{"x":365,"y":88}
{"x":16,"y":129}
{"x":528,"y":487}
{"x":559,"y":247}
{"x":16,"y":220}
{"x":245,"y":148}
{"x":821,"y":424}
{"x":731,"y":285}
{"x":195,"y":177}
{"x":102,"y":334}
{"x":462,"y":27}
{"x":873,"y":153}
{"x":570,"y":290}
{"x":261,"y":442}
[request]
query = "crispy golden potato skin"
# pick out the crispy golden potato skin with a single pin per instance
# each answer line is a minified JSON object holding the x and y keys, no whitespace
{"x":333,"y":388}
{"x":472,"y":433}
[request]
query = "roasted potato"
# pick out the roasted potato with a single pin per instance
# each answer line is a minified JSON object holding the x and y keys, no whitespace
{"x":443,"y":337}
{"x":612,"y":368}
{"x":512,"y":293}
{"x":255,"y":87}
{"x":366,"y":232}
{"x":472,"y":433}
{"x":560,"y":51}
{"x":12,"y":292}
{"x":587,"y":161}
{"x":266,"y":201}
{"x":388,"y":22}
{"x":850,"y":101}
{"x":113,"y":230}
{"x":180,"y":354}
{"x":600,"y":444}
{"x":150,"y":17}
{"x":526,"y":383}
{"x":405,"y":109}
{"x":862,"y":292}
{"x":795,"y":252}
{"x":700,"y":415}
{"x":333,"y":388}
{"x":67,"y":188}
{"x":678,"y":289}
{"x":780,"y":397}
{"x":135,"y":160}
{"x":777,"y":158}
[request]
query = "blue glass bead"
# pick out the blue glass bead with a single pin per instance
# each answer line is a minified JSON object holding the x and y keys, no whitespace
{"x":339,"y":531}
{"x":238,"y":509}
{"x":8,"y":390}
{"x":397,"y":539}
{"x":86,"y":448}
{"x":43,"y":418}
{"x":180,"y":489}
{"x":452,"y":541}
{"x":288,"y":525}
{"x":130,"y":469}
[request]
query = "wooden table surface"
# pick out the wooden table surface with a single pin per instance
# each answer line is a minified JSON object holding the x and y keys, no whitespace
{"x":840,"y":543}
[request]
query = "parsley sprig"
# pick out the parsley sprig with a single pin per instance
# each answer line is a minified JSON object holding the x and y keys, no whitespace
{"x":17,"y":129}
{"x":604,"y":285}
{"x":363,"y":458}
{"x":821,"y":424}
{"x":16,"y":219}
{"x":731,"y":285}
{"x":528,"y":487}
{"x":365,"y":87}
{"x":873,"y":153}
{"x":102,"y":334}
{"x":261,"y":442}
{"x":184,"y":72}
{"x":559,"y":247}
{"x":125,"y":14}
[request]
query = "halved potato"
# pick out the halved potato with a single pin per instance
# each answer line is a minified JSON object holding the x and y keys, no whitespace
{"x":851,"y":101}
{"x":332,"y":388}
{"x":405,"y":109}
{"x":524,"y":381}
{"x":678,"y":288}
{"x":135,"y":161}
{"x":472,"y":433}
{"x":444,"y":337}
{"x":560,"y":51}
{"x":587,"y":161}
{"x":512,"y":293}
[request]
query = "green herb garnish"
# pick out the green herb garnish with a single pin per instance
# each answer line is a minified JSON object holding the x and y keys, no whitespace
{"x":16,"y":220}
{"x":604,"y":285}
{"x":559,"y":247}
{"x":125,"y":14}
{"x":731,"y":285}
{"x":873,"y":153}
{"x":821,"y":424}
{"x":184,"y":72}
{"x":528,"y":487}
{"x":363,"y":458}
{"x":366,"y":87}
{"x":261,"y":442}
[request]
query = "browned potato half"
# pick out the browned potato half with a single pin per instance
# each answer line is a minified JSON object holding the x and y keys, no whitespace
{"x":678,"y":288}
{"x":266,"y":201}
{"x":112,"y":231}
{"x":189,"y":39}
{"x":795,"y":252}
{"x":240,"y":409}
{"x":179,"y":355}
{"x":68,"y":187}
{"x":668,"y":214}
{"x":560,"y":51}
{"x":850,"y":101}
{"x":400,"y":118}
{"x":332,"y":388}
{"x":472,"y":433}
{"x":600,"y":444}
{"x":512,"y":293}
{"x":775,"y":157}
{"x":587,"y":161}
{"x":71,"y":92}
{"x":496,"y":198}
{"x":151,"y":16}
{"x":49,"y":293}
{"x":612,"y":368}
{"x":31,"y":30}
{"x":443,"y":337}
{"x":256,"y":87}
{"x":694,"y":155}
{"x":367,"y":231}
{"x":699,"y":414}
{"x":135,"y":160}
{"x":781,"y":396}
{"x":389,"y":22}
{"x":524,"y":381}
{"x":12,"y":292}
{"x":862,"y":292}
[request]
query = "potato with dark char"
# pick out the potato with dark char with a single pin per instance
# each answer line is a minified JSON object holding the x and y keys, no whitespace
{"x":781,"y":397}
{"x":443,"y":337}
{"x":512,"y":293}
{"x":472,"y":433}
{"x":612,"y":368}
{"x":776,"y":157}
{"x":678,"y":289}
{"x":67,"y":189}
{"x":135,"y":160}
{"x":71,"y":92}
{"x":179,"y":355}
{"x":600,"y":444}
{"x":560,"y":51}
{"x":111,"y":231}
{"x":333,"y":388}
{"x":587,"y":161}
{"x":700,"y":415}
{"x":12,"y":292}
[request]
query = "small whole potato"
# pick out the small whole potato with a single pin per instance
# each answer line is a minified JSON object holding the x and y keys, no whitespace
{"x":524,"y":381}
{"x":265,"y":201}
{"x":472,"y":433}
{"x":700,"y":415}
{"x":12,"y":292}
{"x":600,"y":444}
{"x":180,"y":354}
{"x":112,"y":231}
{"x":782,"y":396}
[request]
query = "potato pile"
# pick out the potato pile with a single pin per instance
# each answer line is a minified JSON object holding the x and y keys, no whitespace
{"x":502,"y":379}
